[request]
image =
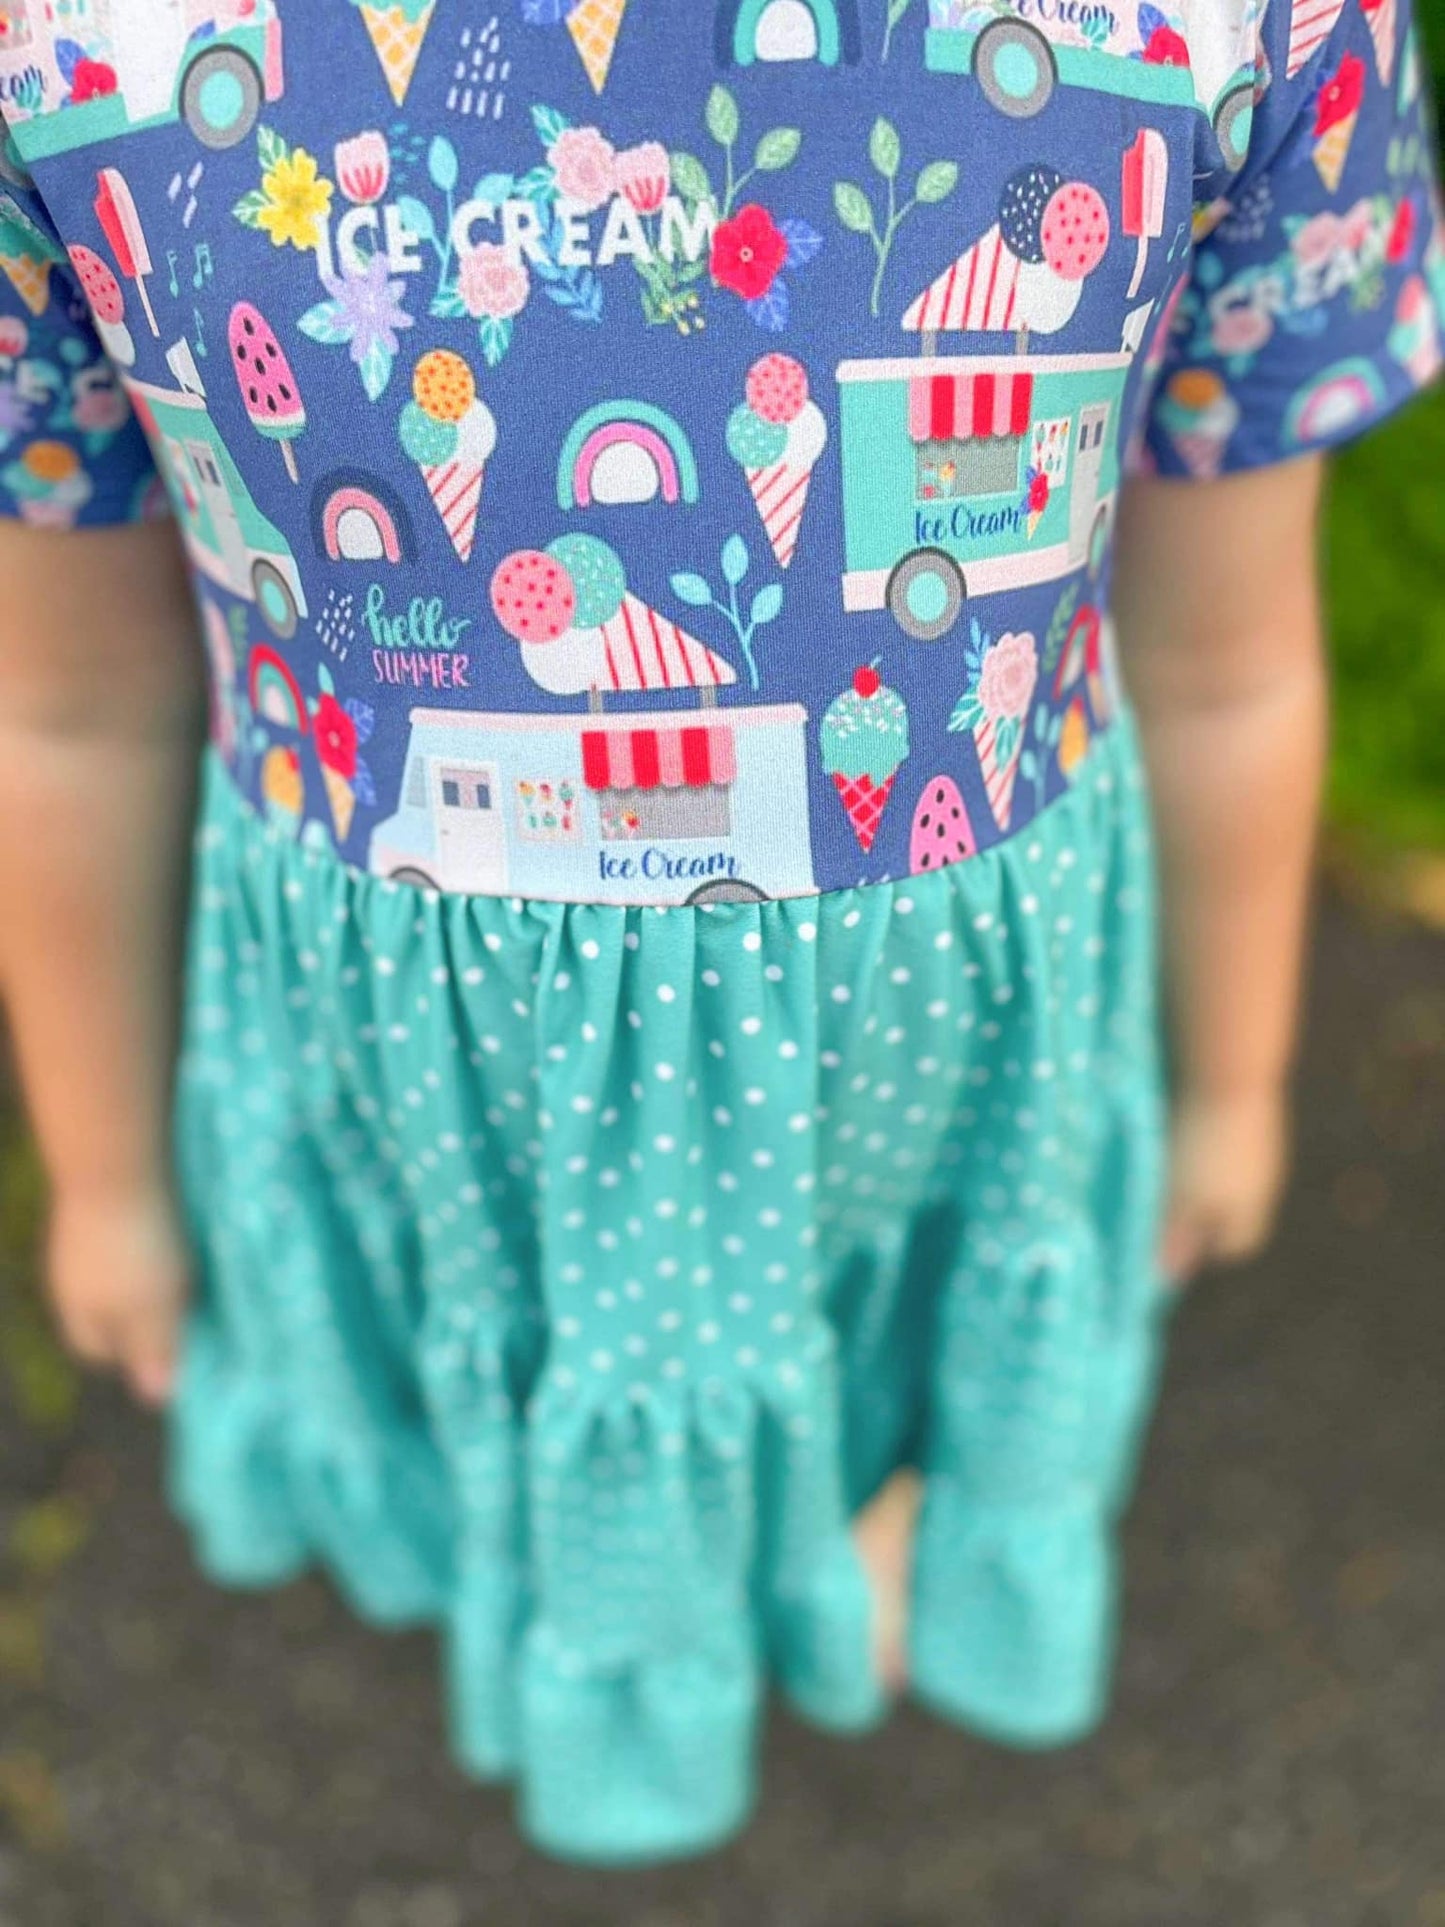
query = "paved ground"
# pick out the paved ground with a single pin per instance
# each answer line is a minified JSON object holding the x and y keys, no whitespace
{"x":173,"y":1758}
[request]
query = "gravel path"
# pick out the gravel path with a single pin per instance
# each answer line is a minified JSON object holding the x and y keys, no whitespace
{"x":172,"y":1757}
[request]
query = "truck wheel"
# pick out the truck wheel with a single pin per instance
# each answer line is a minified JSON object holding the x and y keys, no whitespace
{"x":1014,"y":65}
{"x":220,"y":97}
{"x":418,"y":879}
{"x":275,"y":600}
{"x":726,"y":890}
{"x":925,"y":593}
{"x":1233,"y":118}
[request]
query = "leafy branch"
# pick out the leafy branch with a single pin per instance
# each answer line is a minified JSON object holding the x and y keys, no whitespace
{"x":896,"y":11}
{"x":776,"y":149}
{"x":767,"y":603}
{"x":853,"y":208}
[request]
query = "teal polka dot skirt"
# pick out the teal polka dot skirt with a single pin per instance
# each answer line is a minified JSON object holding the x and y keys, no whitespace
{"x":571,"y":1275}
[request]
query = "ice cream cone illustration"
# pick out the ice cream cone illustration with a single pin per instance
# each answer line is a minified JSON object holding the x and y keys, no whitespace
{"x":1003,"y":676}
{"x":1336,"y":112}
{"x":397,"y":33}
{"x":1380,"y":17}
{"x":594,"y":26}
{"x":777,"y":435}
{"x":29,"y":275}
{"x":449,"y":432}
{"x":342,"y":797}
{"x":864,"y":738}
{"x":1199,"y":415}
{"x":282,"y":789}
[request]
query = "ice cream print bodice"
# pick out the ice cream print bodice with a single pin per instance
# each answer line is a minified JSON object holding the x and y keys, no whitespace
{"x":654,"y":454}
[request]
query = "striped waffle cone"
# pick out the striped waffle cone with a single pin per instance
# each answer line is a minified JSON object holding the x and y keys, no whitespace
{"x":998,"y":778}
{"x":1202,"y":453}
{"x":1382,"y":24}
{"x":29,"y":275}
{"x":342,"y":798}
{"x":398,"y":43}
{"x":594,"y":26}
{"x":781,"y":493}
{"x":1331,"y":149}
{"x":456,"y":488}
{"x":864,"y":801}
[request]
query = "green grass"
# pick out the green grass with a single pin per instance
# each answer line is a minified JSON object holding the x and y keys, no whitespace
{"x":1385,"y":574}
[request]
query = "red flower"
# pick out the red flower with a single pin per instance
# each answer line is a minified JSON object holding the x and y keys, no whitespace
{"x":89,"y":79}
{"x":335,"y":737}
{"x":1166,"y":48}
{"x":1038,"y":494}
{"x":1402,"y":233}
{"x":1341,"y":94}
{"x":747,"y":252}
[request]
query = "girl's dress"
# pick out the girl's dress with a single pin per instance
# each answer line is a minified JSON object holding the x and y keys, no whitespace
{"x":671,"y":1033}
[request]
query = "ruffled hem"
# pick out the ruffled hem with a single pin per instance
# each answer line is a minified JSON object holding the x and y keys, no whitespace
{"x":572,"y":1275}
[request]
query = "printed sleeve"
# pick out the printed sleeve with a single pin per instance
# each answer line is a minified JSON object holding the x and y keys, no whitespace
{"x":71,"y":452}
{"x":1314,"y":302}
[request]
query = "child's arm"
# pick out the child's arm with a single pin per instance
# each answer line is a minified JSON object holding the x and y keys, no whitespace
{"x":1216,"y":601}
{"x":101,"y":719}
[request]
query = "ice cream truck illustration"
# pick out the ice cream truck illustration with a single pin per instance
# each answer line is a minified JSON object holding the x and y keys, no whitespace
{"x":675,"y":802}
{"x":229,"y":539}
{"x":87,"y":70}
{"x":1188,"y":56}
{"x":966,"y":475}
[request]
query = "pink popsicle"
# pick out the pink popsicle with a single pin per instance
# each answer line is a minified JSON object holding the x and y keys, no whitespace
{"x":1145,"y":181}
{"x":268,"y":387}
{"x":115,"y":209}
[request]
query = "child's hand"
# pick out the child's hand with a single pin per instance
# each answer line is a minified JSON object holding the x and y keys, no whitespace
{"x":1227,"y":1165}
{"x":119,"y":1275}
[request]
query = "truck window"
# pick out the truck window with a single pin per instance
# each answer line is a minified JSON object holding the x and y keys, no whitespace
{"x":982,"y":465}
{"x":466,"y":789}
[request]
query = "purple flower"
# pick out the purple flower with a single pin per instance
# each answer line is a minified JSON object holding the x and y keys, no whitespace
{"x":368,"y":308}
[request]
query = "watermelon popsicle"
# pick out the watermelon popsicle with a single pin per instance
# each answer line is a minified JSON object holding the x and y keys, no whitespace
{"x":1146,"y":179}
{"x":115,"y":209}
{"x":268,"y":387}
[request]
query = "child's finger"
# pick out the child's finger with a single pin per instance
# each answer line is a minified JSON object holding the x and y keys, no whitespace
{"x":1181,"y":1248}
{"x":149,"y":1362}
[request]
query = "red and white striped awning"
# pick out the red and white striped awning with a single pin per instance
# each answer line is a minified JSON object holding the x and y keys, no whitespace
{"x":649,"y":759}
{"x":979,"y":291}
{"x":641,"y":649}
{"x":1311,"y":22}
{"x":955,"y":408}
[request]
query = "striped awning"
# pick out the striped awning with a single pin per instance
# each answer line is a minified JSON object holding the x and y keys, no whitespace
{"x":649,"y":759}
{"x":955,"y":408}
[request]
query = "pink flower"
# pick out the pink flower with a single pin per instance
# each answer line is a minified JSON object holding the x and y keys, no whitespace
{"x":334,"y":734}
{"x":14,"y":336}
{"x":584,"y":164}
{"x":644,"y":175}
{"x":363,"y":167}
{"x":1357,"y":226}
{"x":1006,"y":680}
{"x":491,"y":283}
{"x":90,"y":80}
{"x":1317,"y":240}
{"x":1240,"y":330}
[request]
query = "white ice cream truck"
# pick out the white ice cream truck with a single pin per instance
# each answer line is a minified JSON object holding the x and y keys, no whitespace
{"x":684,"y":802}
{"x":209,"y":63}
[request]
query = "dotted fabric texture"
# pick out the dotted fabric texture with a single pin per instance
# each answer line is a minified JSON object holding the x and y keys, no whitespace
{"x":573,"y":1273}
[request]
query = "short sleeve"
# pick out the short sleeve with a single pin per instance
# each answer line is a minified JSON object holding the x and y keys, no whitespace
{"x":71,"y":453}
{"x":1317,"y":284}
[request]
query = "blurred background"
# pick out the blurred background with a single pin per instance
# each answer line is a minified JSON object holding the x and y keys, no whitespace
{"x":173,"y":1757}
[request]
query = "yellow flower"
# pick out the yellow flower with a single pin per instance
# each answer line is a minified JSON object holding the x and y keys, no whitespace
{"x":296,"y":201}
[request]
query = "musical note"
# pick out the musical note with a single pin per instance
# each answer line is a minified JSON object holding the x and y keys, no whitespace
{"x":200,"y":333}
{"x":1179,"y":232}
{"x":204,"y":266}
{"x":171,"y":258}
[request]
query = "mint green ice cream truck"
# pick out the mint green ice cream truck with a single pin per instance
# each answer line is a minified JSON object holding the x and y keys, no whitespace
{"x":968,"y":475}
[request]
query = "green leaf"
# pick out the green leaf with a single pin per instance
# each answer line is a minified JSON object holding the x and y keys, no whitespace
{"x":270,"y":147}
{"x":766,"y":604}
{"x":884,"y":148}
{"x":896,"y":11}
{"x":441,"y":163}
{"x":249,"y":208}
{"x":722,"y":117}
{"x":326,"y":323}
{"x":690,"y":177}
{"x":734,"y":559}
{"x":692,"y":589}
{"x":324,"y":680}
{"x":851,"y":205}
{"x":778,"y":148}
{"x":937,"y":181}
{"x":417,"y":217}
{"x":375,"y":366}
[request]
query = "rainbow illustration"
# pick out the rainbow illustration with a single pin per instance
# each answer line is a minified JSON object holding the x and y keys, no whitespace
{"x":1333,"y":402}
{"x":625,"y":452}
{"x":827,"y":31}
{"x":274,"y":692}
